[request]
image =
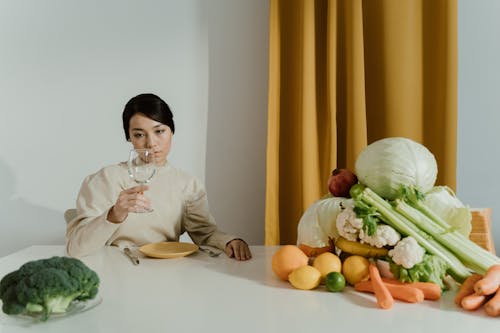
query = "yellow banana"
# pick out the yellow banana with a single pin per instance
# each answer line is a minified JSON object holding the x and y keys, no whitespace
{"x":364,"y":250}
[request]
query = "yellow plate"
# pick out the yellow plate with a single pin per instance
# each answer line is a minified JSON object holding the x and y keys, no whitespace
{"x":167,"y":250}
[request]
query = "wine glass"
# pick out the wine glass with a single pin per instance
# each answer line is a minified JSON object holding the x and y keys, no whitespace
{"x":141,"y":168}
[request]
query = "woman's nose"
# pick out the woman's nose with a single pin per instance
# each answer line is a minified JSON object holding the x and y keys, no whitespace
{"x":150,"y":142}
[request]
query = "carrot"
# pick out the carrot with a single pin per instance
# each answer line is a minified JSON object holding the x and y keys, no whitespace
{"x":472,"y":302}
{"x":398,"y":291}
{"x":384,"y":297}
{"x":467,"y":288}
{"x":431,"y":290}
{"x":492,"y":307}
{"x":490,"y":282}
{"x":313,"y":251}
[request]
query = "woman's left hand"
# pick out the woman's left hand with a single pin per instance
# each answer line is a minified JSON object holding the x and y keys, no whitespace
{"x":238,"y":249}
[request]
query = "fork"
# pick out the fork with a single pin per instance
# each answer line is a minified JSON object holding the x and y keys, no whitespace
{"x":210,"y":252}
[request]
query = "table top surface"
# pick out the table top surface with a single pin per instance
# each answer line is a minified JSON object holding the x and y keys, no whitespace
{"x":206,"y":294}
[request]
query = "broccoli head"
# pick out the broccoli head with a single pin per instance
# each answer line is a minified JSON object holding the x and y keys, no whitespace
{"x":11,"y":304}
{"x":47,"y":286}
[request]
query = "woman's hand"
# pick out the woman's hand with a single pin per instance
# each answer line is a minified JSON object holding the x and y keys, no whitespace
{"x":129,"y":201}
{"x":238,"y":249}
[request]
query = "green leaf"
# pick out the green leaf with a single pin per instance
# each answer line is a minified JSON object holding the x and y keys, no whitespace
{"x":430,"y":269}
{"x":369,"y":215}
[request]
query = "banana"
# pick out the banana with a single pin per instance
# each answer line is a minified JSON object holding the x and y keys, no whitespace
{"x":364,"y":250}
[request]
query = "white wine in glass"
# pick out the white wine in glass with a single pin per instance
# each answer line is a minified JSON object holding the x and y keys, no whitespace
{"x":141,"y":168}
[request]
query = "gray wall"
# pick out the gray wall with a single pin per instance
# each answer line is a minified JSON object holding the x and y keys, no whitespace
{"x":479,"y":107}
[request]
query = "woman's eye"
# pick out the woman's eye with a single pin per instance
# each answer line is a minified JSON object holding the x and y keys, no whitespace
{"x":138,"y":135}
{"x":161,"y":131}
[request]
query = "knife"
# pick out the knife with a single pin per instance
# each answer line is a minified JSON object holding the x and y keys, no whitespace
{"x":133,"y":257}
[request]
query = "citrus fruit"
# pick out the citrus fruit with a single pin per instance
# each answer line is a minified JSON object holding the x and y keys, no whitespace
{"x":305,"y":277}
{"x":327,"y":262}
{"x":286,"y":259}
{"x":355,"y":269}
{"x":334,"y":281}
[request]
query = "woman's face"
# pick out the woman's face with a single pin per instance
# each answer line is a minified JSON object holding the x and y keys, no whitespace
{"x":148,"y":133}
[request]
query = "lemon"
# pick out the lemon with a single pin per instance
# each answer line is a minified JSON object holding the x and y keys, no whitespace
{"x":327,"y":262}
{"x":334,"y":281}
{"x":305,"y":277}
{"x":355,"y":269}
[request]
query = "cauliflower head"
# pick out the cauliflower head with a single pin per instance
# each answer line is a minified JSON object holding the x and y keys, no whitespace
{"x":407,"y":252}
{"x":348,"y":225}
{"x":384,"y":235}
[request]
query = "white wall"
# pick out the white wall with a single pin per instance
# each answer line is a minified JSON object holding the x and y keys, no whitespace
{"x":478,"y":182}
{"x":68,"y":67}
{"x":237,"y":115}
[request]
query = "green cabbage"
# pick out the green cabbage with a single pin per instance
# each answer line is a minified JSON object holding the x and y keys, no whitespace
{"x":443,"y":202}
{"x":318,"y":223}
{"x":430,"y":269}
{"x":387,"y":165}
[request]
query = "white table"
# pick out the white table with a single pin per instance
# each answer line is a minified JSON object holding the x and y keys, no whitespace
{"x":203,"y":294}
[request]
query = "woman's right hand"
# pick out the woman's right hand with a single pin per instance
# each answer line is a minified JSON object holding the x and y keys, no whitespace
{"x":129,"y":201}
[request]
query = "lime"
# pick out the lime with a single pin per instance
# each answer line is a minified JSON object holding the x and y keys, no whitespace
{"x":334,"y":281}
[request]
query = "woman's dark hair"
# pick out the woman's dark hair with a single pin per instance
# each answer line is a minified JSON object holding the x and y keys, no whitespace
{"x":152,"y":107}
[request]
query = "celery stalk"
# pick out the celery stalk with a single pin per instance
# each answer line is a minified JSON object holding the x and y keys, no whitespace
{"x":390,"y":216}
{"x":482,"y":259}
{"x":467,"y":251}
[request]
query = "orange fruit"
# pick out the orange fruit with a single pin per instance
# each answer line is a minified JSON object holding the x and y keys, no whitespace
{"x":287,"y":259}
{"x":355,"y":269}
{"x":327,"y":262}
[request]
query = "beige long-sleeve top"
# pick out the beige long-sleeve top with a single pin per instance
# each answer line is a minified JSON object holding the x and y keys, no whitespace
{"x":178,"y":199}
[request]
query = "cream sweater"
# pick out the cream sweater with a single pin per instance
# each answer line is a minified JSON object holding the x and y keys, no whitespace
{"x":179,"y":202}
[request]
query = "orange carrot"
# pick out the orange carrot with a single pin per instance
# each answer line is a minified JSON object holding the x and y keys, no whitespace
{"x":313,"y":251}
{"x":398,"y":291}
{"x":490,"y":282}
{"x":384,"y":297}
{"x":467,"y":288}
{"x":472,"y":302}
{"x":431,"y":290}
{"x":492,"y":307}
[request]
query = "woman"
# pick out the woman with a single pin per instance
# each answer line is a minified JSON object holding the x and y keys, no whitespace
{"x":108,"y":201}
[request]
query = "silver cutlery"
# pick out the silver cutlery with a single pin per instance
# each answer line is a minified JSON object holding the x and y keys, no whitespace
{"x":133,"y":257}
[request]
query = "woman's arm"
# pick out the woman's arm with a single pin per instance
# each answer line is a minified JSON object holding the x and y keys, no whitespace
{"x":86,"y":235}
{"x":201,"y":227}
{"x":90,"y":230}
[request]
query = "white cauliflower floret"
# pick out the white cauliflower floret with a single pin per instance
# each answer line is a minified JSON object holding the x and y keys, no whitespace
{"x":407,"y":253}
{"x":348,"y":225}
{"x":384,"y":235}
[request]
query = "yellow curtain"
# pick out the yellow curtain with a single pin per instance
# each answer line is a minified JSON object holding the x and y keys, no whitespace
{"x":344,"y":73}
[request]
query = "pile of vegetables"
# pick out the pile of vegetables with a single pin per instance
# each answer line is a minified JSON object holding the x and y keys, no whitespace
{"x":46,"y":286}
{"x":393,"y":213}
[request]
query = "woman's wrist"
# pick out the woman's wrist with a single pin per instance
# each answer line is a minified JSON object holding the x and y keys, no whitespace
{"x":232,"y":240}
{"x":113,"y":217}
